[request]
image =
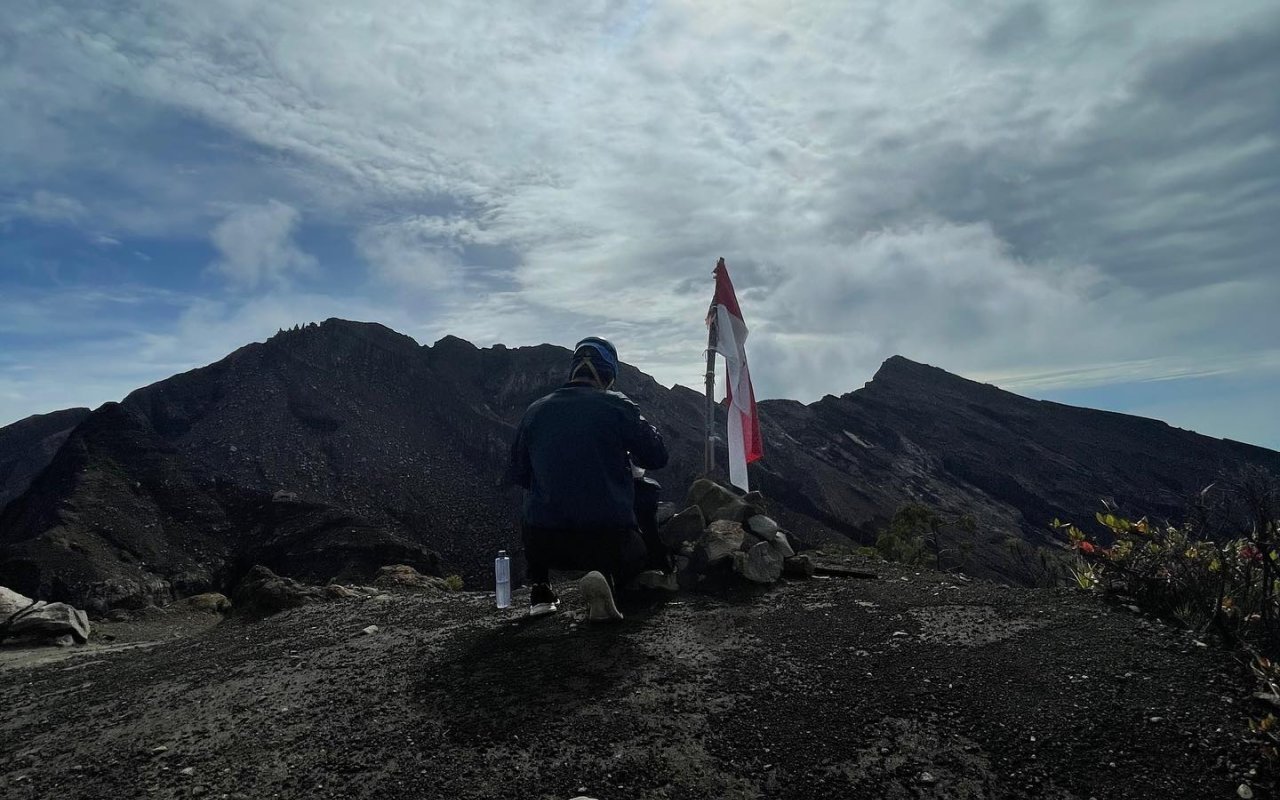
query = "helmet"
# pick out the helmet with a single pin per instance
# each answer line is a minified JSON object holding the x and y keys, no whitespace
{"x":595,"y":356}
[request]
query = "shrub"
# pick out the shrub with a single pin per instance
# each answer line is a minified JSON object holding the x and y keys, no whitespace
{"x":1228,"y":586}
{"x":453,"y":583}
{"x":917,"y":535}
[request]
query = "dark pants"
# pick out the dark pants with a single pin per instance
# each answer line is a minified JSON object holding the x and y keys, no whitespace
{"x":619,"y":554}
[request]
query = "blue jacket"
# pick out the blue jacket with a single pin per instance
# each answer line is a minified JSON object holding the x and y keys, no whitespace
{"x":573,"y":454}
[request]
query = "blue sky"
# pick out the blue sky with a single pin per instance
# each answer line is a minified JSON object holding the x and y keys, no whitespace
{"x":1076,"y":202}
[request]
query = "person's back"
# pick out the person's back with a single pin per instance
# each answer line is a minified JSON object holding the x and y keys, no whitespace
{"x":573,"y":454}
{"x":581,"y":443}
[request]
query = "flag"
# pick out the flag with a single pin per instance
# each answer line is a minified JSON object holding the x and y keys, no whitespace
{"x":745,"y":444}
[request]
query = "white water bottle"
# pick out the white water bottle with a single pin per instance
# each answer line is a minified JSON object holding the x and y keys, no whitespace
{"x":502,"y":579}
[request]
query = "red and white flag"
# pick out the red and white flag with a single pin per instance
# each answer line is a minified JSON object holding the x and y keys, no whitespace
{"x":745,"y":444}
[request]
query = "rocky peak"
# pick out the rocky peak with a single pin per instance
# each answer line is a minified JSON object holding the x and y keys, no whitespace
{"x":901,"y":372}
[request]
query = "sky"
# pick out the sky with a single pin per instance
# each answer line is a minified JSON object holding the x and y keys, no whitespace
{"x":1074,"y":201}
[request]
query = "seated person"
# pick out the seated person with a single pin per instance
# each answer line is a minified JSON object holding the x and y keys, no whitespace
{"x":574,"y":454}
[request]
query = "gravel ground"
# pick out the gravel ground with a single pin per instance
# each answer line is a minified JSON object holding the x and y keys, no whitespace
{"x":912,"y":686}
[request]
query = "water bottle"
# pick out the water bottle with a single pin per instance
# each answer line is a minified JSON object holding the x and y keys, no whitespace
{"x":502,"y":579}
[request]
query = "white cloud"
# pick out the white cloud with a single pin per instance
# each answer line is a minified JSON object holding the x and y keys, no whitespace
{"x":410,"y":253}
{"x":44,"y":206}
{"x":256,"y":245}
{"x":999,"y":188}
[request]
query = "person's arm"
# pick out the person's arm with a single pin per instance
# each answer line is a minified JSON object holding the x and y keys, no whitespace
{"x":520,"y":468}
{"x":645,"y":443}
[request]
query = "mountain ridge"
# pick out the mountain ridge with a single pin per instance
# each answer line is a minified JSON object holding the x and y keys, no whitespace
{"x":389,"y":446}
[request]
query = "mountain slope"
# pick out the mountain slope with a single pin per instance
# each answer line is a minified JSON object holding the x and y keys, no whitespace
{"x":27,"y":447}
{"x":331,"y":449}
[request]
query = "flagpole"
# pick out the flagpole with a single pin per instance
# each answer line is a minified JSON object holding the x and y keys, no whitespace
{"x":709,"y":453}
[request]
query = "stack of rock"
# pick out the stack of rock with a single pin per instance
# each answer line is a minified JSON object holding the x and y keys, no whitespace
{"x":723,"y":534}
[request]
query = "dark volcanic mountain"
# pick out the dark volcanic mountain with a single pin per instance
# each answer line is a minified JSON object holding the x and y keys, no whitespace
{"x":335,"y":448}
{"x":27,"y":446}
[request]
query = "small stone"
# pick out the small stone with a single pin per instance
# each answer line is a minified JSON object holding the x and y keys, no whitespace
{"x":1244,"y":791}
{"x":686,"y":526}
{"x":383,"y":598}
{"x":783,"y":545}
{"x":927,"y":778}
{"x":797,"y":567}
{"x":717,"y":502}
{"x":763,"y":527}
{"x":339,"y":592}
{"x":760,"y":564}
{"x":158,"y":749}
{"x":369,"y":631}
{"x":720,"y":541}
{"x":187,"y":771}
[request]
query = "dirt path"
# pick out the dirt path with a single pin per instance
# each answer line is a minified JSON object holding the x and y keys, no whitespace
{"x":911,"y":686}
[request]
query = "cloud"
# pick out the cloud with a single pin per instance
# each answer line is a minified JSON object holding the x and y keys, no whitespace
{"x":44,"y":206}
{"x":1014,"y":189}
{"x":255,"y":246}
{"x":416,"y":254}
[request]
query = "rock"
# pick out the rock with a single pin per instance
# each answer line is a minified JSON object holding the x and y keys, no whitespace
{"x":282,"y":496}
{"x":656,"y":579}
{"x":717,"y":502}
{"x":720,"y":541}
{"x":369,"y":631}
{"x":927,"y":778}
{"x":686,"y":526}
{"x":403,"y":576}
{"x":209,"y":602}
{"x":339,"y":592}
{"x":262,"y":592}
{"x":65,"y":640}
{"x":783,"y":545}
{"x":1244,"y":791}
{"x":763,"y":527}
{"x":797,"y":567}
{"x":760,"y":564}
{"x":47,"y":621}
{"x":187,"y":771}
{"x":11,"y":602}
{"x":754,"y":498}
{"x":119,"y":615}
{"x":665,"y":512}
{"x":130,"y":593}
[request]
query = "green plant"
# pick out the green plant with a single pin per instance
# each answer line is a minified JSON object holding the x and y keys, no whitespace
{"x":453,"y":583}
{"x":1226,"y":585}
{"x":918,"y":535}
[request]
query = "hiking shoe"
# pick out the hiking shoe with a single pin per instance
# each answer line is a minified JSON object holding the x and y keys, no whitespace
{"x":599,"y":597}
{"x":542,"y":600}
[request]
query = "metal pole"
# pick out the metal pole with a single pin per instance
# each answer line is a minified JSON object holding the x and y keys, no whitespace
{"x":709,"y":457}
